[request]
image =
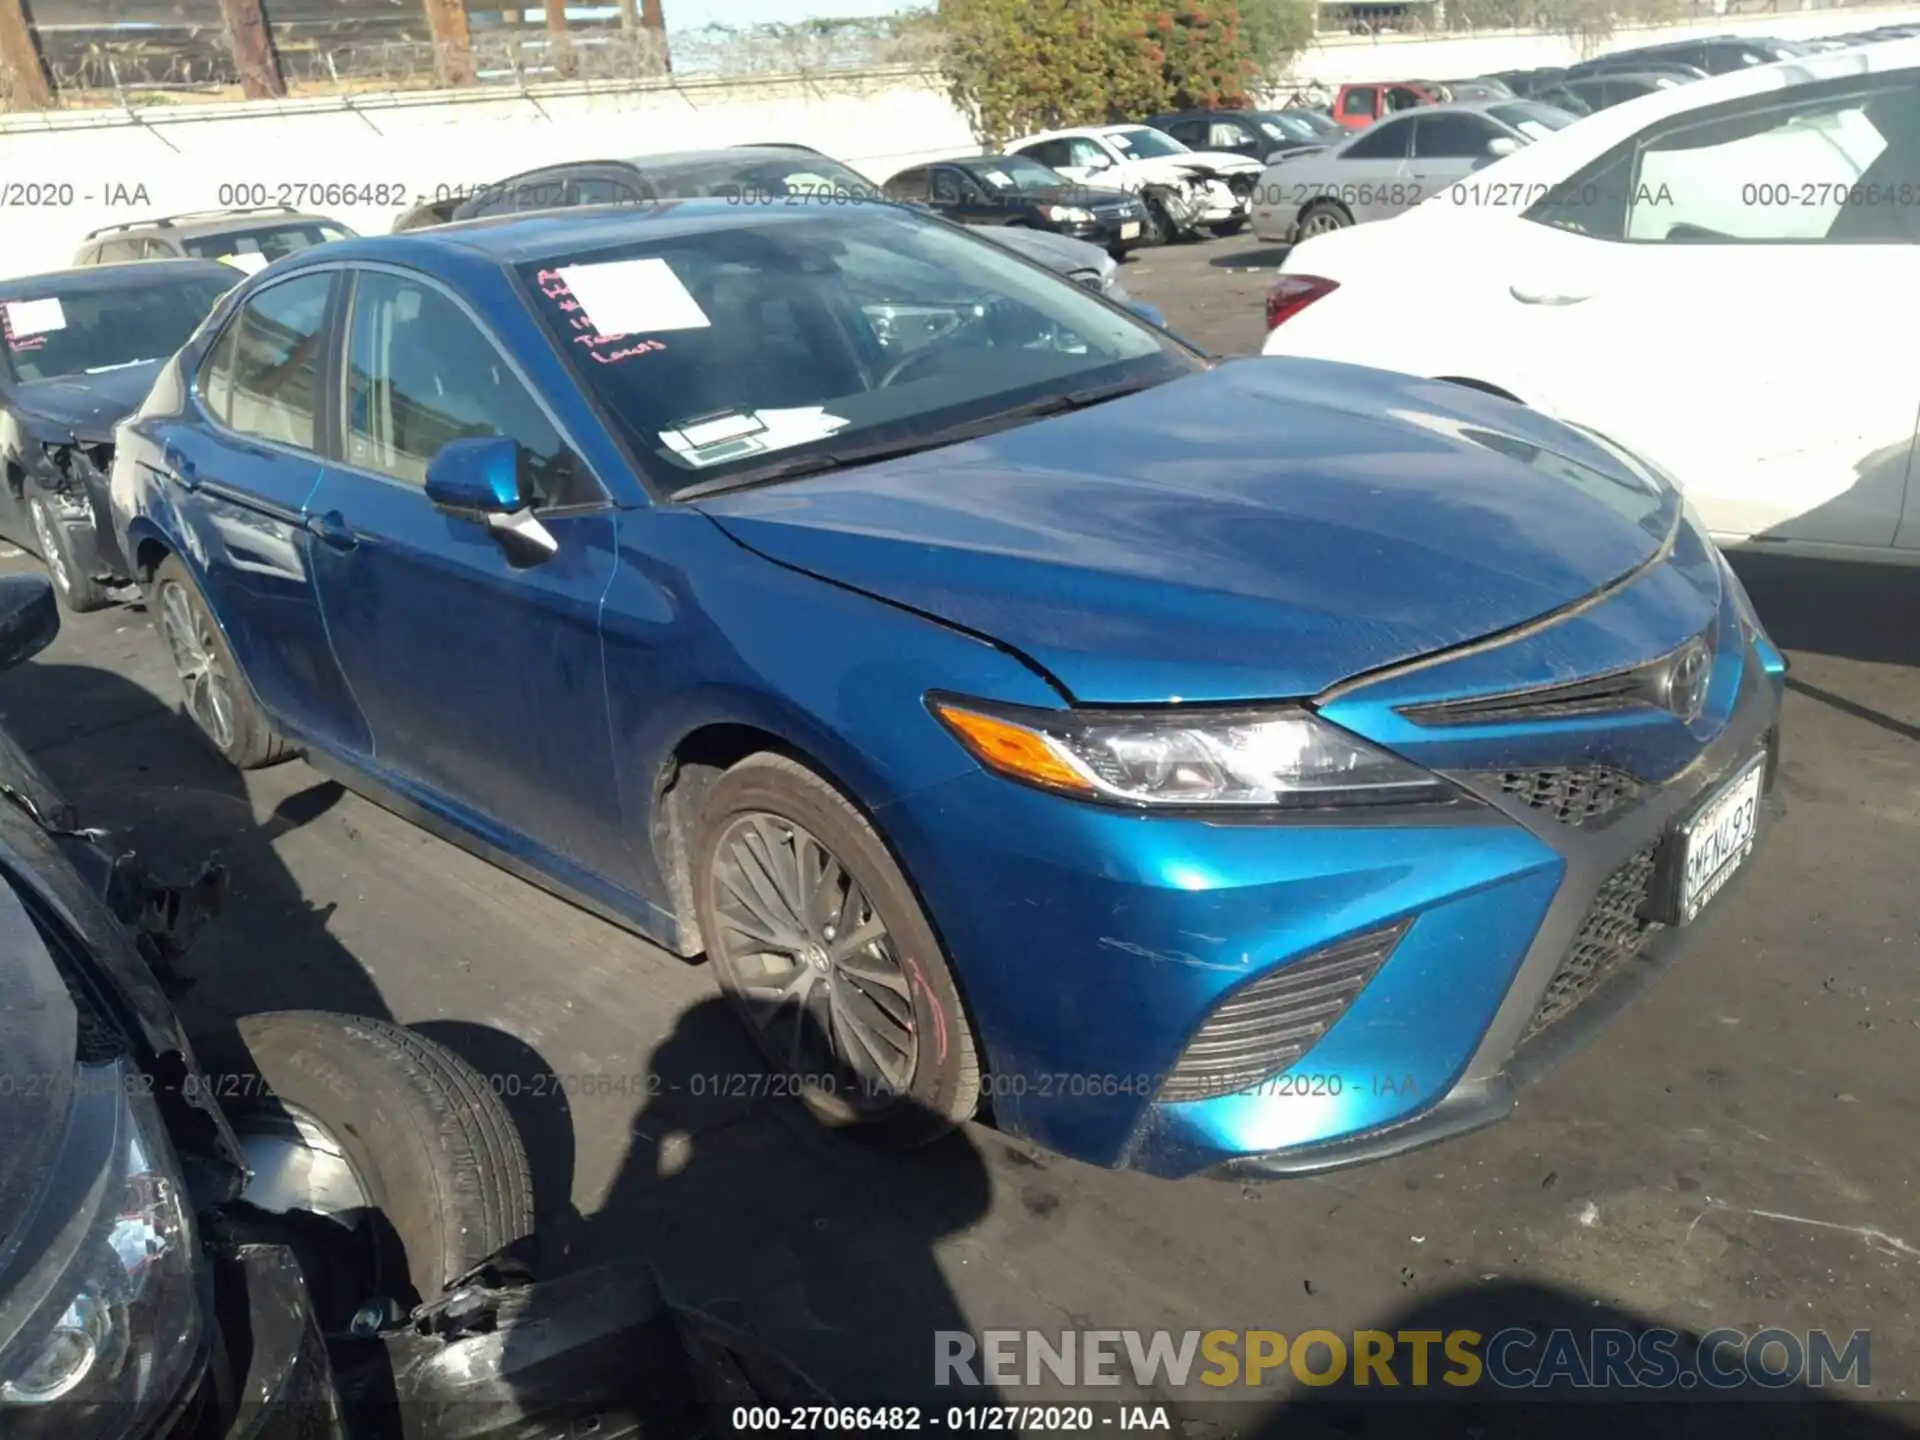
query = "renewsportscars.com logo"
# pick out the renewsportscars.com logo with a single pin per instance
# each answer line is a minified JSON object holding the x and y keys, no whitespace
{"x":1516,"y":1358}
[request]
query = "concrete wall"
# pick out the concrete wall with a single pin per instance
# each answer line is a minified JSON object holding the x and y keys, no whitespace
{"x":65,"y":173}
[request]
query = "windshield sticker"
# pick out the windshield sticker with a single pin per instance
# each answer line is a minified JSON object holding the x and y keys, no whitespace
{"x":247,"y":264}
{"x":605,"y":349}
{"x":26,"y":318}
{"x":716,"y":439}
{"x":633,"y":297}
{"x":1000,"y":178}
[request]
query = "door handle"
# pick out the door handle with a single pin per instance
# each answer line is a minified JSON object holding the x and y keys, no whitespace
{"x":1546,"y":295}
{"x":183,"y":470}
{"x":332,"y":529}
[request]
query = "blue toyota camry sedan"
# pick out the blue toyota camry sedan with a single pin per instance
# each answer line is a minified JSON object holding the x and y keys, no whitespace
{"x":1249,"y":766}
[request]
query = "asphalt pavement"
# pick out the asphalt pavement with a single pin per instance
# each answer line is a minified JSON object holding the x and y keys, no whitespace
{"x":1738,"y":1151}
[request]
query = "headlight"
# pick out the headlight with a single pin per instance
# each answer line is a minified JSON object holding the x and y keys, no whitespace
{"x":1069,"y":215}
{"x":1277,"y":757}
{"x":102,"y":1330}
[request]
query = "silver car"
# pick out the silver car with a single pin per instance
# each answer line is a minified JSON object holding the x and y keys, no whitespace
{"x":1393,"y":165}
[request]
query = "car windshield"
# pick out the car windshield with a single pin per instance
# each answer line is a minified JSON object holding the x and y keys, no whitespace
{"x":1015,"y":173}
{"x":1531,"y":118}
{"x":252,"y":250}
{"x":1138,"y":141}
{"x":724,"y":356}
{"x":800,"y":173}
{"x":49,"y":333}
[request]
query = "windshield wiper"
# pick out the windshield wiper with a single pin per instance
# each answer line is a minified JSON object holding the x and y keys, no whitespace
{"x":813,"y":464}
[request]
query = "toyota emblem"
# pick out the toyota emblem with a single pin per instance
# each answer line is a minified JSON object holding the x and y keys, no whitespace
{"x":1687,"y":680}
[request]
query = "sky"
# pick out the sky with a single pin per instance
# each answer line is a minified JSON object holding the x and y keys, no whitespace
{"x":692,"y":14}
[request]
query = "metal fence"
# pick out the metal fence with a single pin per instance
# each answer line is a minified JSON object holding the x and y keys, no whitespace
{"x":96,"y":66}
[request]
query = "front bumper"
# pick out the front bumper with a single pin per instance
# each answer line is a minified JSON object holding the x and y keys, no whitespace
{"x":84,"y":512}
{"x":1108,"y":231}
{"x":1093,"y":945}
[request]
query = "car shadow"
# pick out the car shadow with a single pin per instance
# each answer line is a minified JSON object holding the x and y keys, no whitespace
{"x":1553,"y":1377}
{"x":820,"y":1244}
{"x":1259,"y":255}
{"x":1848,"y":610}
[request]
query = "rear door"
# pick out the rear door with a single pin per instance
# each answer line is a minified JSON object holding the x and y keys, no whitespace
{"x":1370,"y":177}
{"x":1720,"y":292}
{"x":481,"y":682}
{"x":240,"y":478}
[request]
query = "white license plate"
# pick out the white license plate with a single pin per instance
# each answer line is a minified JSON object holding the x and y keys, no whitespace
{"x":1718,"y":839}
{"x":1130,"y":230}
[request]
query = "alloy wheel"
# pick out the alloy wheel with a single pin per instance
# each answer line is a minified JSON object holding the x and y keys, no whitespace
{"x":47,"y":535}
{"x":1322,"y":222}
{"x":811,"y":961}
{"x":196,"y":657}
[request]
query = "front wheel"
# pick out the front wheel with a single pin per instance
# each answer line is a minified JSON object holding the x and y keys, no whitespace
{"x":78,"y":590}
{"x":216,"y":695}
{"x":824,"y":952}
{"x":1159,"y":228}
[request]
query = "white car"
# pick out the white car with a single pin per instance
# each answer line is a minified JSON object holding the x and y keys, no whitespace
{"x":1134,"y":157}
{"x":1394,"y":165}
{"x":1721,"y":278}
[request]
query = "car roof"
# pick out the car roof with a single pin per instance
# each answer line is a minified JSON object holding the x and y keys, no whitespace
{"x":1565,"y":150}
{"x":535,"y":235}
{"x":689,"y":159}
{"x":79,"y":279}
{"x":1452,"y":107}
{"x":197,"y":223}
{"x":1070,"y":131}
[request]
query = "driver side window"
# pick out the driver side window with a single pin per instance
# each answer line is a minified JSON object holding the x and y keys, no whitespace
{"x":419,"y":373}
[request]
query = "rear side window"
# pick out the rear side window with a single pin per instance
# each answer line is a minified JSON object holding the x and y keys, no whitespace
{"x":1383,"y":142}
{"x":908,"y":185}
{"x":263,"y":376}
{"x":597,"y":190}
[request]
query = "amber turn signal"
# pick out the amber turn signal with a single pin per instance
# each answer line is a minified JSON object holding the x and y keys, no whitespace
{"x":1011,"y":749}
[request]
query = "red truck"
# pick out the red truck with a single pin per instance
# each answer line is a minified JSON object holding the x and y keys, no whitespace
{"x":1358,"y":106}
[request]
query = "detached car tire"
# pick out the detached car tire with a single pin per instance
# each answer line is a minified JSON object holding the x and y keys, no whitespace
{"x":429,"y":1143}
{"x":821,"y":946}
{"x":213,"y":689}
{"x":78,"y":591}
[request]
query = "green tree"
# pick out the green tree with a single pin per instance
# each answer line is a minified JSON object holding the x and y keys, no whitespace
{"x":1016,"y":66}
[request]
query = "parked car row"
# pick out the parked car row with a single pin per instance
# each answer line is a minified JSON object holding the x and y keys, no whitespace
{"x":1567,"y":260}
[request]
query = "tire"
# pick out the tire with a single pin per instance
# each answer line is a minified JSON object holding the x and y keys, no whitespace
{"x":1321,"y":217}
{"x":78,"y":591}
{"x":432,"y":1147}
{"x":1159,"y":227}
{"x":935,"y":1083}
{"x":237,"y":727}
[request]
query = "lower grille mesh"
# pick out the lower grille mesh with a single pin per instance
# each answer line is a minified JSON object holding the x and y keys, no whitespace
{"x":1263,"y":1029}
{"x":1610,"y":935}
{"x":1572,"y":794}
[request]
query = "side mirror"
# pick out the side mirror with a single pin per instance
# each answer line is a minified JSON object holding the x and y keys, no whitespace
{"x":29,"y":618}
{"x":1503,"y":145}
{"x":1149,"y":313}
{"x":480,"y":474}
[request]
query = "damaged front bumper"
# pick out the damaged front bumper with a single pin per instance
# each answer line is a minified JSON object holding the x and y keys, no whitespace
{"x":73,"y":475}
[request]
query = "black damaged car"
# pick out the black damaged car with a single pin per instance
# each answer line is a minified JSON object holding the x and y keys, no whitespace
{"x":325,"y":1234}
{"x":78,"y":353}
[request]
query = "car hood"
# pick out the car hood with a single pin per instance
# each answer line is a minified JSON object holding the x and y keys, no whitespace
{"x":1056,"y":252}
{"x":88,"y":406}
{"x":1223,"y":162}
{"x":1263,"y":530}
{"x":1084,"y":196}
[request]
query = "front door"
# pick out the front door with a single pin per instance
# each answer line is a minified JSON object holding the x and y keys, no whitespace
{"x":482,"y":683}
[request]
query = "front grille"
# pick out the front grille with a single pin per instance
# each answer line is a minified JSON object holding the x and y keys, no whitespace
{"x":1571,"y":794}
{"x":1610,"y":935}
{"x":1261,"y":1030}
